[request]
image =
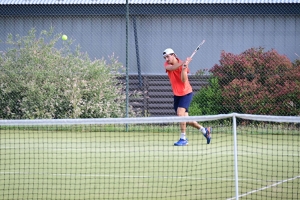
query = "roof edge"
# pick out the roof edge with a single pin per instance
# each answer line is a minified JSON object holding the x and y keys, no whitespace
{"x":141,"y":2}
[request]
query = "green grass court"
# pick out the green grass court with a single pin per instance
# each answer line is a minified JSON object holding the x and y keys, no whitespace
{"x":96,"y":162}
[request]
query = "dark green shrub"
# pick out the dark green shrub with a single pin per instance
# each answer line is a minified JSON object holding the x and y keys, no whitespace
{"x":41,"y":81}
{"x":296,"y":63}
{"x":208,"y":100}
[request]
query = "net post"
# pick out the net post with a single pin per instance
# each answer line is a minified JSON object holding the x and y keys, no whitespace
{"x":235,"y":158}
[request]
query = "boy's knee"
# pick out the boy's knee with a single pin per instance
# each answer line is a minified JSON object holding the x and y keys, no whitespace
{"x":181,"y":112}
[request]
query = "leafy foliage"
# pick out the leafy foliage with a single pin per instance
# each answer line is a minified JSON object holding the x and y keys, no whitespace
{"x":41,"y":81}
{"x":208,"y":101}
{"x":258,"y":82}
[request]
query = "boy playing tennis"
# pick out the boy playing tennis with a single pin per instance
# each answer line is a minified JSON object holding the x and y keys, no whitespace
{"x":183,"y":93}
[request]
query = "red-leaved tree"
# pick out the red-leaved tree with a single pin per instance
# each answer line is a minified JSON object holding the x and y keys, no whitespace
{"x":258,"y":82}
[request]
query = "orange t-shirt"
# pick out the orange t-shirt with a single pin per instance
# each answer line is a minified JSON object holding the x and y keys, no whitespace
{"x":179,"y":88}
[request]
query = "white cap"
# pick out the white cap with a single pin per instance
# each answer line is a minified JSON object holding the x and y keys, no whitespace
{"x":168,"y":51}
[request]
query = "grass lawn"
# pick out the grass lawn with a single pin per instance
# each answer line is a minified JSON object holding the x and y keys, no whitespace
{"x":98,"y":162}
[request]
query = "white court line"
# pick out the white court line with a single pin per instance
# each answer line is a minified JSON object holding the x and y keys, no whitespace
{"x":101,"y":150}
{"x":126,"y":176}
{"x":160,"y":177}
{"x":267,"y":187}
{"x":130,"y":176}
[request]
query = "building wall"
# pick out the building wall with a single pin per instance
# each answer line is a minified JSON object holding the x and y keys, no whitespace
{"x":102,"y":36}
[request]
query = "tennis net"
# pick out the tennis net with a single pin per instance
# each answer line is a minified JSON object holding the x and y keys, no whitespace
{"x":250,"y":156}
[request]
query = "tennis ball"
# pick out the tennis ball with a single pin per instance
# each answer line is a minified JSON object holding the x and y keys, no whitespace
{"x":64,"y":37}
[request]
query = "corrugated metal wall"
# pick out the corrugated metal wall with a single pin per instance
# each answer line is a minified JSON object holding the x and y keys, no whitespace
{"x":102,"y":36}
{"x":22,"y":2}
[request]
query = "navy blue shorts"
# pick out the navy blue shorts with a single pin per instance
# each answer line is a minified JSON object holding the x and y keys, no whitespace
{"x":183,"y":101}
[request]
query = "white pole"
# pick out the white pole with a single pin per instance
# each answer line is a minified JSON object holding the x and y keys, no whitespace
{"x":235,"y":159}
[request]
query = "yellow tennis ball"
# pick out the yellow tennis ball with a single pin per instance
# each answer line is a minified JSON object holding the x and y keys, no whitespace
{"x":64,"y":37}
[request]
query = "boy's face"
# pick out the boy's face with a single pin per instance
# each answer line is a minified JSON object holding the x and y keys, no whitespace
{"x":170,"y":58}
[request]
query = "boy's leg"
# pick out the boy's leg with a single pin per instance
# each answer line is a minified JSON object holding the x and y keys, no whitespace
{"x":205,"y":131}
{"x":182,"y":109}
{"x":183,"y":140}
{"x":181,"y":112}
{"x":181,"y":105}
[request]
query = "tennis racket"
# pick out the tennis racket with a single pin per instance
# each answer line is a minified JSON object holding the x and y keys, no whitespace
{"x":198,"y":47}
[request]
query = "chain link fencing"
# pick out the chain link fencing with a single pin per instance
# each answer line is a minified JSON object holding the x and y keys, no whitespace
{"x":248,"y":64}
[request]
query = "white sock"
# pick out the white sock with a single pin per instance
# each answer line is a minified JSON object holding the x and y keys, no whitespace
{"x":182,"y":136}
{"x":202,"y":130}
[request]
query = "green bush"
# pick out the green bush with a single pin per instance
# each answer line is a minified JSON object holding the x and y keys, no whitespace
{"x":207,"y":101}
{"x":296,"y":63}
{"x":41,"y":81}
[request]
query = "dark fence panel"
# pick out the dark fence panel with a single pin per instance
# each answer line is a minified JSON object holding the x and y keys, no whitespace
{"x":155,"y":93}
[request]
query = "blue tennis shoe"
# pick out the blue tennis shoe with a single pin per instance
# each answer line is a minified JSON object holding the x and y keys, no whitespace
{"x":181,"y":142}
{"x":207,"y":135}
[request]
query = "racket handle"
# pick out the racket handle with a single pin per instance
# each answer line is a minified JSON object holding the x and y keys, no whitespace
{"x":192,"y":55}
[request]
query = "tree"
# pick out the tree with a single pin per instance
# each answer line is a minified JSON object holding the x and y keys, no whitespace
{"x":258,"y":82}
